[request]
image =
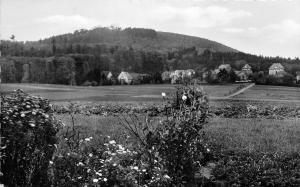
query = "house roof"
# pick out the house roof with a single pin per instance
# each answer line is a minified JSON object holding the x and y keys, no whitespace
{"x":276,"y":66}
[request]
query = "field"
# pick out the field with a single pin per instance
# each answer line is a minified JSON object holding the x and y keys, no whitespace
{"x":130,"y":93}
{"x":271,"y":93}
{"x":250,"y":135}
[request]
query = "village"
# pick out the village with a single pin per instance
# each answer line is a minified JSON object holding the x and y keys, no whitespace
{"x":244,"y":75}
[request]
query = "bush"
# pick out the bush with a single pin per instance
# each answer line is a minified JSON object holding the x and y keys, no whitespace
{"x":94,"y":83}
{"x":175,"y":147}
{"x":28,"y":132}
{"x":87,"y":83}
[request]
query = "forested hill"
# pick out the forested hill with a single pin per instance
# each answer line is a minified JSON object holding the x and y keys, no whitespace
{"x":137,"y":38}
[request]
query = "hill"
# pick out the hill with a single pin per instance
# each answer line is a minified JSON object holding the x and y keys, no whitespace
{"x":137,"y":38}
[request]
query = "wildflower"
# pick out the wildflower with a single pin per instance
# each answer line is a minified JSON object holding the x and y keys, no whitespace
{"x":34,"y":113}
{"x":32,"y":124}
{"x":95,"y":180}
{"x":22,"y":115}
{"x":80,"y":164}
{"x":90,"y":155}
{"x":208,"y":150}
{"x":114,"y":164}
{"x":135,"y":168}
{"x":87,"y":139}
{"x":79,"y":177}
{"x":163,"y":94}
{"x":100,"y":174}
{"x":27,"y":106}
{"x":50,"y":162}
{"x":46,"y":116}
{"x":112,"y":142}
{"x":104,"y":179}
{"x":167,"y":176}
{"x":184,"y":97}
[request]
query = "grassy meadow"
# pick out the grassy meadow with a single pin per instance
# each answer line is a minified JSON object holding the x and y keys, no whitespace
{"x":247,"y":134}
{"x":100,"y":94}
{"x":250,"y":135}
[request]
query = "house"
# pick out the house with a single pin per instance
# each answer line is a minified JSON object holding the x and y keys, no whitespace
{"x":166,"y":76}
{"x":242,"y":75}
{"x":133,"y":78}
{"x":178,"y":75}
{"x":298,"y":77}
{"x":227,"y":67}
{"x":107,"y":78}
{"x":276,"y":69}
{"x":247,"y":69}
{"x":129,"y":78}
{"x":107,"y":75}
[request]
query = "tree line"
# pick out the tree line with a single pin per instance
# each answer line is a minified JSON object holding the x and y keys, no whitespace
{"x":68,"y":63}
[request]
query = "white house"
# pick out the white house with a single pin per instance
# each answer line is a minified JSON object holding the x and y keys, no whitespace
{"x":247,"y":69}
{"x":276,"y":69}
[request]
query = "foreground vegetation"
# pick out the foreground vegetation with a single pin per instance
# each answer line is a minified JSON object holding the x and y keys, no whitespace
{"x":185,"y":144}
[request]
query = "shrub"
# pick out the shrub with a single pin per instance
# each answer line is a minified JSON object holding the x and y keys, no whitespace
{"x":176,"y":147}
{"x":87,"y":83}
{"x":94,"y":83}
{"x":28,"y":132}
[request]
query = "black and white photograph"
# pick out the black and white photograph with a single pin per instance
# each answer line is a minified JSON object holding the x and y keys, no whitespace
{"x":149,"y":93}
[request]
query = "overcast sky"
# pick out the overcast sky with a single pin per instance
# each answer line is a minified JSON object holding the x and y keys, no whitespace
{"x":269,"y":27}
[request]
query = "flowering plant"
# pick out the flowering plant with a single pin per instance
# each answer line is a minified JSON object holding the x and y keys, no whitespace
{"x":28,"y":139}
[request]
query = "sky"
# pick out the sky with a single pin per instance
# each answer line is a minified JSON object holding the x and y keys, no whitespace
{"x":261,"y":27}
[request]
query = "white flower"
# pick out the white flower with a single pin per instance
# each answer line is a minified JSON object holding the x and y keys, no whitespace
{"x":114,"y":164}
{"x":22,"y":115}
{"x":167,"y":177}
{"x":112,"y":142}
{"x":87,"y":139}
{"x":34,"y":113}
{"x":135,"y":167}
{"x":32,"y":124}
{"x":184,"y":97}
{"x":208,"y":150}
{"x":104,"y":179}
{"x":163,"y":94}
{"x":79,"y":177}
{"x":80,"y":164}
{"x":100,"y":174}
{"x":90,"y":155}
{"x":50,"y":162}
{"x":95,"y":180}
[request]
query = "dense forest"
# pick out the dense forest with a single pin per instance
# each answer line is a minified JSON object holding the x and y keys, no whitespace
{"x":81,"y":56}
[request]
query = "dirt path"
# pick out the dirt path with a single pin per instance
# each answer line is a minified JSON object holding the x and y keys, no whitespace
{"x":240,"y":91}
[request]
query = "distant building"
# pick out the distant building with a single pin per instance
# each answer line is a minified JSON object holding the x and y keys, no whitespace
{"x":298,"y":77}
{"x":166,"y":76}
{"x":242,"y":75}
{"x":276,"y":69}
{"x":132,"y":78}
{"x":247,"y":69}
{"x":106,"y":75}
{"x":178,"y":75}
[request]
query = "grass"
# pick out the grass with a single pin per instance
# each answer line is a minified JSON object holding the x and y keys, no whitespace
{"x":267,"y":92}
{"x":250,"y":135}
{"x":127,"y":93}
{"x":254,"y":135}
